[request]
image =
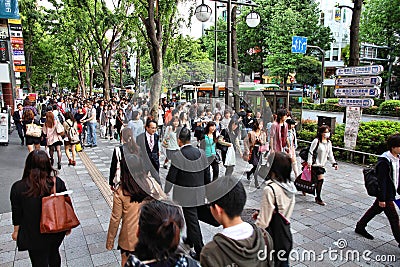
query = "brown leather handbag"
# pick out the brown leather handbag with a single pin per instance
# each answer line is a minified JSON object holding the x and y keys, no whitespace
{"x":57,"y":213}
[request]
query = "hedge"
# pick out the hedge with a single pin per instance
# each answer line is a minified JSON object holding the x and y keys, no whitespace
{"x":382,"y":107}
{"x":371,"y":137}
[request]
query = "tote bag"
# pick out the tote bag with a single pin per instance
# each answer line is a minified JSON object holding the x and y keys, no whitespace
{"x":33,"y":130}
{"x":58,"y":215}
{"x":230,"y":159}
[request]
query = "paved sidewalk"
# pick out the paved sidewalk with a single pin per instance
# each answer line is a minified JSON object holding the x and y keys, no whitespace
{"x":315,"y":228}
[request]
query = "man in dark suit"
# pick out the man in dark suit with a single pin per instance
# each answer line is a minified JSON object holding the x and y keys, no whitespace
{"x":17,"y":117}
{"x":148,"y":143}
{"x":187,"y":176}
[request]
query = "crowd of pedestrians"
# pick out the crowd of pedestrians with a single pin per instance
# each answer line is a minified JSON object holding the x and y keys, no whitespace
{"x":151,"y":217}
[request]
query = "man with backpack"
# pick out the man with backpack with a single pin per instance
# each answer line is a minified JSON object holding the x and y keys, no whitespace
{"x":239,"y":243}
{"x":387,"y":171}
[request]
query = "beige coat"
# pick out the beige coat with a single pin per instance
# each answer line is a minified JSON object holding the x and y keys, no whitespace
{"x":128,"y":212}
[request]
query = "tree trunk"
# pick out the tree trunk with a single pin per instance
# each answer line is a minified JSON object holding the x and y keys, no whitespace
{"x":106,"y":84}
{"x":156,"y":83}
{"x":235,"y":61}
{"x":354,"y":34}
{"x":137,"y":78}
{"x":91,"y":75}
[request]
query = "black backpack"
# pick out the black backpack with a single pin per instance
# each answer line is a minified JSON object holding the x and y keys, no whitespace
{"x":371,"y":181}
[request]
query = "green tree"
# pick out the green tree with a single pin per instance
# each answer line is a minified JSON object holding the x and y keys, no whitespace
{"x":280,"y":20}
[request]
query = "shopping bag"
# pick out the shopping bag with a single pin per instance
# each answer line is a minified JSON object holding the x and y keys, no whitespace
{"x":230,"y":159}
{"x":306,"y":175}
{"x":78,"y":147}
{"x":60,"y":128}
{"x":304,"y":186}
{"x":57,"y":215}
{"x":33,"y":130}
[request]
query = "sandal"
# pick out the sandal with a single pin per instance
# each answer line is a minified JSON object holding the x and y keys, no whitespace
{"x":320,"y":202}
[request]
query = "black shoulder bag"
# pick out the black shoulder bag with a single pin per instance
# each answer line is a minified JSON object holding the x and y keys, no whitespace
{"x":279,"y":229}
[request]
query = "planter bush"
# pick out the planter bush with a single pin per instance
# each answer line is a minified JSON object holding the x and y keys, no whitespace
{"x":390,"y":107}
{"x":371,"y":137}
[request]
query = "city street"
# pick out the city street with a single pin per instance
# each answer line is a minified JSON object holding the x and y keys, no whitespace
{"x":315,"y":228}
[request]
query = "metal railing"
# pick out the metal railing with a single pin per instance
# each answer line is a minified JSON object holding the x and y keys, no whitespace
{"x":351,"y":152}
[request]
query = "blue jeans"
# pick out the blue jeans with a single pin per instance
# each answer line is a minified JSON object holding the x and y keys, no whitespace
{"x":91,"y":133}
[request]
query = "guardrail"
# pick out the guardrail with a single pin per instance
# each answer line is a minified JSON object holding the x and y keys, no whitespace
{"x":350,"y":152}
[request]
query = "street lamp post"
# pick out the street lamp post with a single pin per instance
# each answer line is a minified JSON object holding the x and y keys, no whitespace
{"x":321,"y":93}
{"x":252,"y":22}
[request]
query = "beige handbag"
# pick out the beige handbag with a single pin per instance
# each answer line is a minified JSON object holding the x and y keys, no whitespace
{"x":33,"y":130}
{"x":60,"y":129}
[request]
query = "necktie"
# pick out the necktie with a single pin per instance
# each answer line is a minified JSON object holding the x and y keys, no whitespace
{"x":151,"y":142}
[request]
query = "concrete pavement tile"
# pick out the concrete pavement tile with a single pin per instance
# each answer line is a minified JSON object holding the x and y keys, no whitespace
{"x":9,"y":264}
{"x":76,"y":232}
{"x":311,"y":234}
{"x":104,"y":226}
{"x":298,"y":226}
{"x":83,"y":261}
{"x":81,"y":210}
{"x":82,"y":204}
{"x":6,"y":216}
{"x":88,"y":222}
{"x":92,"y":229}
{"x":7,"y":256}
{"x":5,"y":237}
{"x":6,"y":229}
{"x":77,"y":252}
{"x":336,"y":225}
{"x":376,"y":225}
{"x":117,"y":254}
{"x":23,"y":263}
{"x":300,"y":239}
{"x":383,"y":235}
{"x":113,"y":264}
{"x":74,"y":242}
{"x":326,"y":241}
{"x":83,"y":215}
{"x":19,"y":255}
{"x":104,"y":258}
{"x":80,"y":198}
{"x":8,"y":246}
{"x":96,"y":238}
{"x":97,"y":248}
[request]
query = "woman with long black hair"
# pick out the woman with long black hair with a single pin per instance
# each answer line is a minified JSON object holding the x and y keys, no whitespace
{"x":230,"y":136}
{"x":26,"y":205}
{"x":209,"y":145}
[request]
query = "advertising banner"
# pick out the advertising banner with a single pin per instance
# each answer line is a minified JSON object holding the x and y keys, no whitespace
{"x":353,"y":119}
{"x":4,"y":32}
{"x":20,"y":68}
{"x":17,"y":40}
{"x":4,"y":51}
{"x":9,"y":9}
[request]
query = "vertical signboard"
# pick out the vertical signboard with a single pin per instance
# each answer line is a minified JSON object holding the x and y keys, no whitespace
{"x":352,"y":124}
{"x":9,"y":9}
{"x":17,"y":45}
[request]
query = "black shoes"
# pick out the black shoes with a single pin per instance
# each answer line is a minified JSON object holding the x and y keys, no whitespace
{"x":51,"y":161}
{"x":59,"y":166}
{"x":248,"y":175}
{"x":94,"y":145}
{"x":361,"y":231}
{"x":194,"y":255}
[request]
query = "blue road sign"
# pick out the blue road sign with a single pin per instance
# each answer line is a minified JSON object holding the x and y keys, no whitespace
{"x":356,"y":102}
{"x":299,"y":44}
{"x":358,"y":91}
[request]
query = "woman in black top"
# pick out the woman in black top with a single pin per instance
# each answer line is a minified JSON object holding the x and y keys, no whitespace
{"x":119,"y":122}
{"x":26,"y":205}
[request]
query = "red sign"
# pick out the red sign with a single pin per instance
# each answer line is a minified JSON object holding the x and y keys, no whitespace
{"x":17,"y":40}
{"x":17,"y":47}
{"x":19,"y":62}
